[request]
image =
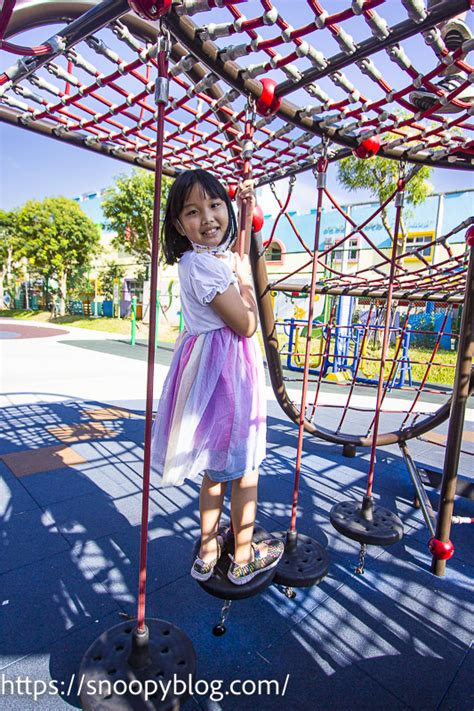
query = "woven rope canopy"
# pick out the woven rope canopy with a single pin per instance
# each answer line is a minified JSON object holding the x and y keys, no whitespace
{"x":343,"y":70}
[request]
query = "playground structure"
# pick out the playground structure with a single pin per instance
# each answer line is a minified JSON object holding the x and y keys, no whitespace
{"x":213,"y":111}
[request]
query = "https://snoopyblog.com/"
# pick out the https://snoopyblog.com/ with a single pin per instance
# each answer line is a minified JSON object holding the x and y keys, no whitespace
{"x":148,"y":689}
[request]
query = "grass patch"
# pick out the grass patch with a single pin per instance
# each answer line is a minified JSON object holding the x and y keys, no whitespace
{"x":442,"y":374}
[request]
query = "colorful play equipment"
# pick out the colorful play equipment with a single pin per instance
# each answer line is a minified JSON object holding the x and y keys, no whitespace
{"x":196,"y":83}
{"x":347,"y":353}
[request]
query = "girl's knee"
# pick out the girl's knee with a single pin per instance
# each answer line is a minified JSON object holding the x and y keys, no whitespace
{"x":247,"y":480}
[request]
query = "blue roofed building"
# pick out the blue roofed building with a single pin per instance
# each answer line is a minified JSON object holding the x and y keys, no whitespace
{"x":438,"y":216}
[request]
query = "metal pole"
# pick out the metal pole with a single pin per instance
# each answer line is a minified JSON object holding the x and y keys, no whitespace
{"x":158,"y":295}
{"x":162,"y":92}
{"x":134,"y":321}
{"x":456,"y":419}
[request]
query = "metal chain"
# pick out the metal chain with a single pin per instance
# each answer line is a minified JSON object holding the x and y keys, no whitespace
{"x":360,"y":570}
{"x":225,"y":611}
{"x":251,"y":110}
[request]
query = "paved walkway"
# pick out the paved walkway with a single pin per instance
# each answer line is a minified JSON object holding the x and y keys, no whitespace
{"x":70,"y":480}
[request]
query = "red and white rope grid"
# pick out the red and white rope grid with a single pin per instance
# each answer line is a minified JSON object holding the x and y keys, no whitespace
{"x":352,"y":62}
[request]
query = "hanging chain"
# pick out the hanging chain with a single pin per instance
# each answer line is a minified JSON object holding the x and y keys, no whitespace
{"x":250,"y":110}
{"x":164,"y":38}
{"x":225,"y":611}
{"x":325,"y":144}
{"x":360,"y":570}
{"x":163,"y":47}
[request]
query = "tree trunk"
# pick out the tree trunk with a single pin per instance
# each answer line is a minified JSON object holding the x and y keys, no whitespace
{"x":62,"y":293}
{"x":386,"y":223}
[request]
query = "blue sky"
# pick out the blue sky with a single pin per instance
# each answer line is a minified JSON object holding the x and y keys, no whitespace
{"x":35,"y":166}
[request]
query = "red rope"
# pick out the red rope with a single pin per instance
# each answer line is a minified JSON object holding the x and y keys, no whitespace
{"x":356,"y":370}
{"x":394,"y":361}
{"x":386,"y":332}
{"x":430,"y":364}
{"x":245,"y":224}
{"x":283,"y":207}
{"x":322,"y":172}
{"x":327,"y":347}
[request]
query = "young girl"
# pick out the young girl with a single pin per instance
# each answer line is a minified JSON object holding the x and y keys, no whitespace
{"x":212,"y":413}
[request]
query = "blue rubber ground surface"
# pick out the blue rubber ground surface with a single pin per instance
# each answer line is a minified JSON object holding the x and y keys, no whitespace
{"x":394,"y":638}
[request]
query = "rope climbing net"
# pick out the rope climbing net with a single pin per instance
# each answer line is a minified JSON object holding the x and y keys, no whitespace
{"x":397,"y":287}
{"x":344,"y":73}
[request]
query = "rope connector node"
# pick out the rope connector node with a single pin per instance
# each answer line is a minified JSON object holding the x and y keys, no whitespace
{"x":247,"y":149}
{"x":57,"y":44}
{"x":321,"y":178}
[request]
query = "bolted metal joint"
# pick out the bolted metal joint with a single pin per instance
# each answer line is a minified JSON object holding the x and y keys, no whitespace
{"x":321,"y":178}
{"x":162,"y":90}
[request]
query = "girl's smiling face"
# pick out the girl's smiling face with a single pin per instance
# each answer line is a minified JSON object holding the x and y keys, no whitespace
{"x":203,"y":220}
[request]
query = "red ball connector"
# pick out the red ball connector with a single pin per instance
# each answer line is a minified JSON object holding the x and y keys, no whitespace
{"x":367,"y":148}
{"x":470,"y":236}
{"x":150,"y":9}
{"x":441,"y":550}
{"x":267,"y":103}
{"x":257,"y":219}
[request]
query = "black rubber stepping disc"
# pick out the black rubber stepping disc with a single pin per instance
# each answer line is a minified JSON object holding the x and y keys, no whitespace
{"x":304,"y":562}
{"x":105,"y":669}
{"x":219,"y":584}
{"x":383,"y":528}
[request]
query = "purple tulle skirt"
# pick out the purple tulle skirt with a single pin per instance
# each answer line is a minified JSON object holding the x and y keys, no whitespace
{"x":212,"y":412}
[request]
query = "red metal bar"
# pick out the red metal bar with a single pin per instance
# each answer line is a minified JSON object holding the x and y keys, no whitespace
{"x":162,"y":74}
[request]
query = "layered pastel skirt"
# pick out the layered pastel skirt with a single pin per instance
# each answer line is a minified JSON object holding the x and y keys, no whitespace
{"x":212,"y":411}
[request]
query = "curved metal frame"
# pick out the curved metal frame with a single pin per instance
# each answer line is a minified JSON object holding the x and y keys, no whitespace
{"x":270,"y":340}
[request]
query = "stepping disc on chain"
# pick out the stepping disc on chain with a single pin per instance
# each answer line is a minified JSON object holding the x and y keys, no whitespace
{"x":219,"y":584}
{"x":109,"y":679}
{"x":303,"y":563}
{"x":366,"y":523}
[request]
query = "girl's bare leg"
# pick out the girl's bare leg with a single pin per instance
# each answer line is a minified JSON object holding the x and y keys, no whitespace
{"x":210,"y":506}
{"x":243,"y":512}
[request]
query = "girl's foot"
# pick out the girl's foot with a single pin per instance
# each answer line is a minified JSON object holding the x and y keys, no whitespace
{"x":266,"y":555}
{"x":203,"y":568}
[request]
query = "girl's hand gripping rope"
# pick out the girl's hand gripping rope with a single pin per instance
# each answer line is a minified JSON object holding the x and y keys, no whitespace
{"x":245,"y":197}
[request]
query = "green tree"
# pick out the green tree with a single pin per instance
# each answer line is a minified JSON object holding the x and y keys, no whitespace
{"x":380,"y":176}
{"x":58,"y":239}
{"x":9,"y":253}
{"x":128,"y":208}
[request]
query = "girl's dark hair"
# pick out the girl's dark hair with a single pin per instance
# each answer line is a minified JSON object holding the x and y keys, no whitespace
{"x":174,"y":244}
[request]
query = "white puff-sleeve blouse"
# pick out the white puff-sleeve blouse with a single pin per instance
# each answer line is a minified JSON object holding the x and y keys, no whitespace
{"x":202,"y":276}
